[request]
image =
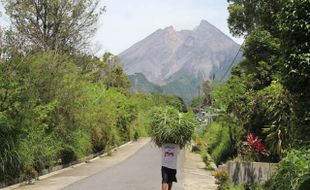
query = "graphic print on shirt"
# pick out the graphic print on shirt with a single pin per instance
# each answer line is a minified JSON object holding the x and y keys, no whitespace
{"x":169,"y":155}
{"x":169,"y":152}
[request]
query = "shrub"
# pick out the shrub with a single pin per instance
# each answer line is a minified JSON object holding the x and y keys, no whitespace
{"x":221,"y":153}
{"x":67,"y":155}
{"x":230,"y":186}
{"x":136,"y":135}
{"x":30,"y":173}
{"x":290,"y":171}
{"x":253,"y":148}
{"x":221,"y":176}
{"x":97,"y":139}
{"x":305,"y":184}
{"x":218,"y":142}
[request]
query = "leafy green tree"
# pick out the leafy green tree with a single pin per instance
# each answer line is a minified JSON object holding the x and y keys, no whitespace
{"x":247,"y":16}
{"x":226,"y":96}
{"x":198,"y":103}
{"x":174,"y":101}
{"x":293,"y":22}
{"x":115,"y":77}
{"x":10,"y":96}
{"x":54,"y":24}
{"x":278,"y":122}
{"x":274,"y":71}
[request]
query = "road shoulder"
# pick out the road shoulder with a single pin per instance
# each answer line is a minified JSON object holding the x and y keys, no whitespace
{"x":74,"y":174}
{"x":196,"y":177}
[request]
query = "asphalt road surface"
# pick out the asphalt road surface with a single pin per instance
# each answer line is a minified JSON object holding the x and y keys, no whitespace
{"x":139,"y":172}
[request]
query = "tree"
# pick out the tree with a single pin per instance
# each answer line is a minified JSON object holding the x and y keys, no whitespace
{"x":293,"y":24}
{"x":275,"y":70}
{"x":60,"y":25}
{"x":206,"y":87}
{"x":246,"y":16}
{"x":113,"y":74}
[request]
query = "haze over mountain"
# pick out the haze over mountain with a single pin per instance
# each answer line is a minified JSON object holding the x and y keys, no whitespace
{"x":179,"y":61}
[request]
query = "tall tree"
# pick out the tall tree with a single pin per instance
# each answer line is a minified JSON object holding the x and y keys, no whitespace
{"x":293,"y":22}
{"x":54,"y":24}
{"x":248,"y":15}
{"x":276,"y":69}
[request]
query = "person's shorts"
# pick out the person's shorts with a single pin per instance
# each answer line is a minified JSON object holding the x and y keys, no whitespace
{"x":168,"y":175}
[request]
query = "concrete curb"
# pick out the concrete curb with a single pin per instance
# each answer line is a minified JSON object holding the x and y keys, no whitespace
{"x":67,"y":168}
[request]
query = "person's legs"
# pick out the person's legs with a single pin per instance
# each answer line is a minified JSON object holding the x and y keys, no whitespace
{"x":165,"y":186}
{"x":168,"y":177}
{"x":164,"y":176}
{"x":170,"y":186}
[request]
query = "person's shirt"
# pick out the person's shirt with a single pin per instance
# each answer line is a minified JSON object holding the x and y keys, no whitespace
{"x":169,"y":155}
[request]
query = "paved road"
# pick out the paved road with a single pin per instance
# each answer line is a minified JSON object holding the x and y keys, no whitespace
{"x":139,"y":172}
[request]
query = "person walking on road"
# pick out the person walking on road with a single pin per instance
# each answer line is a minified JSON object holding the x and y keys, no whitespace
{"x":169,"y":164}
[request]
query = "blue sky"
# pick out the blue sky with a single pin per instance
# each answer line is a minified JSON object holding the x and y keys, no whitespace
{"x":128,"y":21}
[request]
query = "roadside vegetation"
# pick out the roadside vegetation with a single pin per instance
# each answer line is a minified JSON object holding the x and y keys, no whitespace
{"x":58,"y":102}
{"x":264,"y":107}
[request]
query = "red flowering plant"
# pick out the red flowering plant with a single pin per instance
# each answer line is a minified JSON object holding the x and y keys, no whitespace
{"x":253,"y":146}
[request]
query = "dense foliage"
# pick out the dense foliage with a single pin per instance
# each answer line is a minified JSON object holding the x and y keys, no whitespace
{"x":263,"y":109}
{"x":268,"y":94}
{"x":52,"y":113}
{"x":290,"y":171}
{"x":53,"y":24}
{"x":57,"y":103}
{"x":216,"y":140}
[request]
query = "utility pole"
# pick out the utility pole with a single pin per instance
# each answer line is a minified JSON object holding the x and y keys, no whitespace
{"x":212,"y":83}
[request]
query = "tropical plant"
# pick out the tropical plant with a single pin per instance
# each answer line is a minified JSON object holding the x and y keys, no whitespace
{"x":291,"y":171}
{"x":253,"y":145}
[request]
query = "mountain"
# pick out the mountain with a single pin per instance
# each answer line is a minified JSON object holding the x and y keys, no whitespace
{"x":179,"y":61}
{"x":140,"y":84}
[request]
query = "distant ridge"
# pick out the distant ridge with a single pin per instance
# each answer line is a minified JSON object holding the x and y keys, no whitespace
{"x":179,"y":61}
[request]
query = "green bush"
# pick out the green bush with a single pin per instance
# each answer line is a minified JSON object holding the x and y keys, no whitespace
{"x":67,"y":155}
{"x":230,"y":186}
{"x":136,"y":135}
{"x":305,"y":182}
{"x":97,"y":139}
{"x":290,"y":171}
{"x":221,"y":177}
{"x":216,"y":137}
{"x":221,"y":152}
